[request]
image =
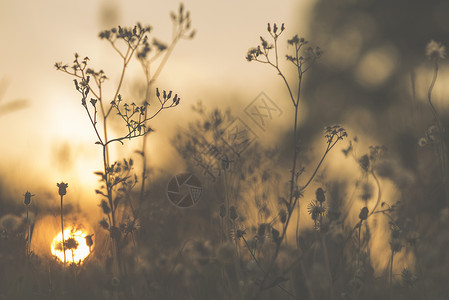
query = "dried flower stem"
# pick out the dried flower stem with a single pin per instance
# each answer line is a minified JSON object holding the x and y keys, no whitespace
{"x":302,"y":65}
{"x":379,"y":193}
{"x":328,"y":266}
{"x":62,"y":228}
{"x":180,"y":30}
{"x":441,"y":147}
{"x":390,"y":277}
{"x":28,"y":251}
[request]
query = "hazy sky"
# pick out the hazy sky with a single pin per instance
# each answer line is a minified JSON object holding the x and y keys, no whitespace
{"x":51,"y":139}
{"x":54,"y":126}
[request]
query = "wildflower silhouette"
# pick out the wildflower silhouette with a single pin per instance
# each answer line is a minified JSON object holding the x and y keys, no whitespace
{"x":89,"y":241}
{"x":302,"y":60}
{"x":436,"y":52}
{"x":62,"y":192}
{"x":128,"y":43}
{"x":27,"y":202}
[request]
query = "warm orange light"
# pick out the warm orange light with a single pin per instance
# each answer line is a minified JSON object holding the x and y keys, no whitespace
{"x":80,"y":250}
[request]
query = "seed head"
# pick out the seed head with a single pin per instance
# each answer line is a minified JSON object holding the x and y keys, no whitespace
{"x":71,"y":244}
{"x":435,"y":51}
{"x":62,"y":188}
{"x":27,"y":200}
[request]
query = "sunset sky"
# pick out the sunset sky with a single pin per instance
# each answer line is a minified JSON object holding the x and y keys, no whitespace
{"x":52,"y":136}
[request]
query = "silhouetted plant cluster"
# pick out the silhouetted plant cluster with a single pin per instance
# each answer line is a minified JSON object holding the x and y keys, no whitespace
{"x":117,"y":179}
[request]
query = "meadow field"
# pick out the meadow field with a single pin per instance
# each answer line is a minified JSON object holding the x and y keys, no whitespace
{"x":227,"y":153}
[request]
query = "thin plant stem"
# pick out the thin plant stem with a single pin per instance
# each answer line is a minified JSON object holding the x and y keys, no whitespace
{"x":227,"y":217}
{"x":62,"y":228}
{"x":294,"y":191}
{"x":379,"y":193}
{"x":150,"y":79}
{"x":262,"y":269}
{"x":360,"y":243}
{"x":328,"y":267}
{"x":391,"y":270}
{"x":29,"y":237}
{"x":442,"y":147}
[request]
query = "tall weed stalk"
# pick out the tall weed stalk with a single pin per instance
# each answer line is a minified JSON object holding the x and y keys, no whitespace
{"x":302,"y":60}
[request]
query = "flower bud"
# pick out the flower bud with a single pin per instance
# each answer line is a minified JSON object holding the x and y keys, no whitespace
{"x":27,"y":200}
{"x":62,"y":188}
{"x":320,"y":197}
{"x":89,"y":241}
{"x":364,"y":214}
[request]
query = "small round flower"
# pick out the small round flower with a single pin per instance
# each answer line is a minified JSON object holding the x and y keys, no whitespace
{"x":435,"y":51}
{"x":62,"y":188}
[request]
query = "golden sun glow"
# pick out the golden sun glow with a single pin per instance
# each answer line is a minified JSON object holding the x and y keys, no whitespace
{"x":76,"y":245}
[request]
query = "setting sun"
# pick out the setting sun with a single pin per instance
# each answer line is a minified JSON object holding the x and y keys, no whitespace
{"x":76,"y":245}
